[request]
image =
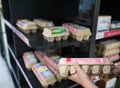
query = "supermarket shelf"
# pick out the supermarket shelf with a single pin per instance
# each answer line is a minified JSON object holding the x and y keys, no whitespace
{"x":36,"y":41}
{"x":36,"y":84}
{"x":32,"y":80}
{"x":103,"y":35}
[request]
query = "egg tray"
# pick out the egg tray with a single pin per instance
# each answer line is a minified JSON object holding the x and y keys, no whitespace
{"x":39,"y":72}
{"x":89,"y":69}
{"x":92,"y":66}
{"x":78,"y":32}
{"x":29,"y":59}
{"x":42,"y":23}
{"x":47,"y":34}
{"x":108,"y":53}
{"x":26,"y":26}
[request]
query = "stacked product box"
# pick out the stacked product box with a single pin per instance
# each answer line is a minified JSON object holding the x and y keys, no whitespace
{"x":78,"y":32}
{"x":115,"y":25}
{"x":103,"y":24}
{"x":92,"y":66}
{"x":109,"y":49}
{"x":26,"y":26}
{"x":51,"y":63}
{"x":29,"y":59}
{"x":43,"y":74}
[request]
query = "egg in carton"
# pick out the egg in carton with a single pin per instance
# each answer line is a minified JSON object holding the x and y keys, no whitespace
{"x":42,"y":23}
{"x":44,"y":75}
{"x":55,"y":33}
{"x":91,"y":66}
{"x":78,"y":32}
{"x":26,"y":26}
{"x":29,"y":59}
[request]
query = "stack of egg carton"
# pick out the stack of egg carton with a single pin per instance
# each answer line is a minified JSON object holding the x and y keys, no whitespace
{"x":48,"y":67}
{"x":109,"y":49}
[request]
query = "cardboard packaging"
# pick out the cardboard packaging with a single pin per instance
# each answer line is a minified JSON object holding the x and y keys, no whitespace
{"x":26,"y":26}
{"x":78,"y":32}
{"x":29,"y":59}
{"x":55,"y":33}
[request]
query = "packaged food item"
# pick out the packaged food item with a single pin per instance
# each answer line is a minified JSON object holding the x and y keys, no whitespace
{"x":42,"y":23}
{"x":39,"y":54}
{"x":54,"y":71}
{"x":115,"y":25}
{"x":51,"y":62}
{"x":91,"y":66}
{"x":78,"y":32}
{"x":29,"y":59}
{"x":26,"y":26}
{"x":55,"y":33}
{"x":44,"y":75}
{"x":104,"y":22}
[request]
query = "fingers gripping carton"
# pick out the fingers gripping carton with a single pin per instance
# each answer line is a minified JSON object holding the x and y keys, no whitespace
{"x":78,"y":32}
{"x":55,"y":33}
{"x":26,"y":26}
{"x":29,"y":60}
{"x":44,"y":75}
{"x":91,"y":66}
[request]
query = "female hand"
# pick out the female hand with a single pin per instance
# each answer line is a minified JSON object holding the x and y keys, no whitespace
{"x":81,"y":77}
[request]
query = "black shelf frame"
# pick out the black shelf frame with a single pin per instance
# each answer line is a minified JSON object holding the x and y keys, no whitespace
{"x":35,"y":41}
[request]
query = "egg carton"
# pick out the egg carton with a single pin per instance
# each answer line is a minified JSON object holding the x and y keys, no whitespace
{"x":39,"y":54}
{"x":55,"y":72}
{"x":92,"y":66}
{"x":29,"y":59}
{"x":78,"y":32}
{"x":114,"y":57}
{"x":55,"y":33}
{"x":109,"y":44}
{"x":42,"y":23}
{"x":44,"y":75}
{"x":108,"y":53}
{"x":26,"y":26}
{"x":52,"y":69}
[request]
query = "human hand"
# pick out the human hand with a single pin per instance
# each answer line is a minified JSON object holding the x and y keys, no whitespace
{"x":116,"y":69}
{"x":81,"y":77}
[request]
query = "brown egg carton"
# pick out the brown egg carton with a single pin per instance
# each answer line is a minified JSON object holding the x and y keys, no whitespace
{"x":26,"y":26}
{"x":78,"y":32}
{"x":42,"y":23}
{"x":44,"y":76}
{"x":51,"y":37}
{"x":92,"y":66}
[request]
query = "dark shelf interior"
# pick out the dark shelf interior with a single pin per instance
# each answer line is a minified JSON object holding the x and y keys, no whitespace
{"x":36,"y":84}
{"x":37,"y":41}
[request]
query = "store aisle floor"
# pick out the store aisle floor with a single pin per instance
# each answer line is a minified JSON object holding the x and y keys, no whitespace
{"x":5,"y":77}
